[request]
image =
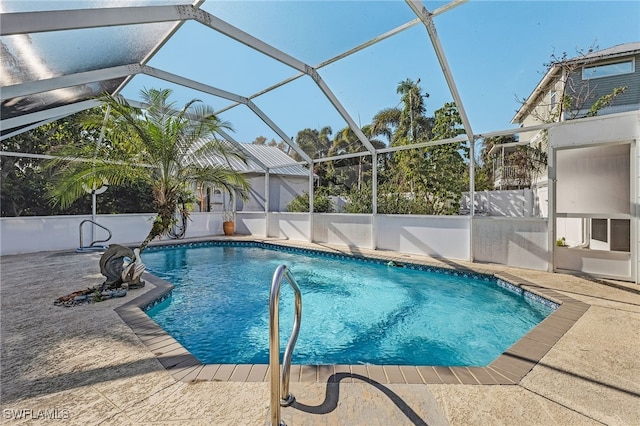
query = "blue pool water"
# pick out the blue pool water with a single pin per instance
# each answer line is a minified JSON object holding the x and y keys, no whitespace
{"x":353,"y":312}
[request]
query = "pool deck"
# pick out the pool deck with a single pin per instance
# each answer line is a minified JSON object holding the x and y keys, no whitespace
{"x":103,"y":364}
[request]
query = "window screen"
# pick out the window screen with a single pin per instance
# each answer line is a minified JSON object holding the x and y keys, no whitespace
{"x":620,"y":235}
{"x":599,"y":230}
{"x":594,"y":180}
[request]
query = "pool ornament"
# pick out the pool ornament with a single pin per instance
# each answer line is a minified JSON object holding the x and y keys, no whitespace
{"x":122,"y":267}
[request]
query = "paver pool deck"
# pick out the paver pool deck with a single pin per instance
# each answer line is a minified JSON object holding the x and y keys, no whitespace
{"x":97,"y":364}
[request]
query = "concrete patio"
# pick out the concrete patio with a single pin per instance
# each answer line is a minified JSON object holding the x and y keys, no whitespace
{"x":84,"y":365}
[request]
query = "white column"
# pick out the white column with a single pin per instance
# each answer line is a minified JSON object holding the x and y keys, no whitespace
{"x":311,"y":202}
{"x":267,"y":198}
{"x":374,"y":201}
{"x":551,"y":177}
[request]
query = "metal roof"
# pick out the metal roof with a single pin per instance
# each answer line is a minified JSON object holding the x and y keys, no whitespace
{"x":611,"y":52}
{"x":260,"y":157}
{"x":275,"y":159}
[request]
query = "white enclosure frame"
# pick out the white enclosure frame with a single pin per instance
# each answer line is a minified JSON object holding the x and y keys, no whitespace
{"x":464,"y":238}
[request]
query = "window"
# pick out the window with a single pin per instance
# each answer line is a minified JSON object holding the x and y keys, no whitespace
{"x":620,"y":235}
{"x":599,"y":231}
{"x":552,"y":100}
{"x":615,"y":232}
{"x":608,"y":70}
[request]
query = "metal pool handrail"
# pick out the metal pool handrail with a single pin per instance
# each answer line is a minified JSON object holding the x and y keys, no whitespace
{"x":280,"y":395}
{"x":93,"y":246}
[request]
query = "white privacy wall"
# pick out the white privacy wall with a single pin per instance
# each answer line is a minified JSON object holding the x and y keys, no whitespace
{"x":610,"y":264}
{"x":293,"y":226}
{"x":511,"y":203}
{"x":515,"y":242}
{"x":343,"y":229}
{"x":251,"y":223}
{"x":437,"y":236}
{"x":46,"y":233}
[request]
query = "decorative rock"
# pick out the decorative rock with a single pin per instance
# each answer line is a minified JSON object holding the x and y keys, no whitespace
{"x":118,"y":293}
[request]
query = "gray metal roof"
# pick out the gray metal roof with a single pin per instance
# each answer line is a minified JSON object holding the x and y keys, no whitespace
{"x":259,"y":157}
{"x":620,"y":49}
{"x":273,"y":158}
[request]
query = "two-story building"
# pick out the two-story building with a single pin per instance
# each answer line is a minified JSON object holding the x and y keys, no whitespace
{"x":593,"y":83}
{"x":571,"y":87}
{"x":588,"y":189}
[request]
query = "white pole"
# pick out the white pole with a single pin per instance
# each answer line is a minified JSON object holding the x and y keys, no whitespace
{"x":374,"y":201}
{"x":311,"y":202}
{"x":93,"y":215}
{"x":266,"y":203}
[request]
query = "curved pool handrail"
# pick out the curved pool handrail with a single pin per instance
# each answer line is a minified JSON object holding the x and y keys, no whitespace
{"x":280,"y":395}
{"x":93,"y":244}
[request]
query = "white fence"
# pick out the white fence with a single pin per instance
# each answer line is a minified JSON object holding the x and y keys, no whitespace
{"x":292,"y":226}
{"x":437,"y":236}
{"x":518,"y":242}
{"x":353,"y":230}
{"x":514,"y":242}
{"x":250,"y":223}
{"x":31,"y":234}
{"x":508,"y":203}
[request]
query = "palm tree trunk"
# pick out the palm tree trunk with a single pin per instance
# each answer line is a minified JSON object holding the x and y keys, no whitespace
{"x":161,"y":224}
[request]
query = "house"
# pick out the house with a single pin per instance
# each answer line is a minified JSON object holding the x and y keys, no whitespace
{"x":287,"y":179}
{"x":594,"y":83}
{"x":587,"y":189}
{"x":582,"y":81}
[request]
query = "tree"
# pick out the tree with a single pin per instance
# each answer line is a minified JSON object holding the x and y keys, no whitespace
{"x":444,"y":172}
{"x":26,"y":181}
{"x":260,"y":140}
{"x":406,"y":125}
{"x":23,"y":183}
{"x":163,"y":143}
{"x":315,"y":143}
{"x":385,"y":123}
{"x":343,"y":175}
{"x":321,"y":203}
{"x":577,"y":97}
{"x":413,"y":127}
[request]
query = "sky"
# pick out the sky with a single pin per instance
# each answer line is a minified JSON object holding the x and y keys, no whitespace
{"x":496,"y":50}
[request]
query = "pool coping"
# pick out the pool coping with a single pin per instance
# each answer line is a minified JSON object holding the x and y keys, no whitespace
{"x":509,"y":368}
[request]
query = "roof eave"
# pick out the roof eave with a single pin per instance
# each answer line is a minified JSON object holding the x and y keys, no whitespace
{"x":540,"y":89}
{"x":551,"y":73}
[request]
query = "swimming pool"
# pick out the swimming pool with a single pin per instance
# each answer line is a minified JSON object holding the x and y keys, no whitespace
{"x":355,"y":311}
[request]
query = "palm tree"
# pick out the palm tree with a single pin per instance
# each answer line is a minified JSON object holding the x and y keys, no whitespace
{"x":385,"y":123}
{"x":314,"y":142}
{"x":161,"y":145}
{"x":413,"y":126}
